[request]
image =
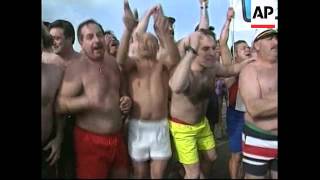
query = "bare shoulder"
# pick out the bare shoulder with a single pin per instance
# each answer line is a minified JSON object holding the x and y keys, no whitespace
{"x":110,"y":60}
{"x":248,"y":69}
{"x":248,"y":74}
{"x":75,"y":69}
{"x":55,"y":71}
{"x":52,"y":58}
{"x":130,"y":64}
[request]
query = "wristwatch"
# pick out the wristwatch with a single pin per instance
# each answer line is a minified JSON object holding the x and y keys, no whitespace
{"x":189,"y":48}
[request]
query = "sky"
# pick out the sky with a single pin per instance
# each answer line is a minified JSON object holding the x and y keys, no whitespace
{"x":109,"y":14}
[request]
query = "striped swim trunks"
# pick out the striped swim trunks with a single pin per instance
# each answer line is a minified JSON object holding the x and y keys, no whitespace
{"x":260,"y":150}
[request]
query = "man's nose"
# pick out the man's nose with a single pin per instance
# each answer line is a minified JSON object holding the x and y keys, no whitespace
{"x":96,"y":39}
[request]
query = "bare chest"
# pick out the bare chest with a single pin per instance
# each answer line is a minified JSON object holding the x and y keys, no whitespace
{"x":100,"y":80}
{"x":146,"y":77}
{"x":268,"y":80}
{"x":201,"y":86}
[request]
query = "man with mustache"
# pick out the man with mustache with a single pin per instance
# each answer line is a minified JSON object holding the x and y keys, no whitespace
{"x":258,"y":85}
{"x":91,"y":90}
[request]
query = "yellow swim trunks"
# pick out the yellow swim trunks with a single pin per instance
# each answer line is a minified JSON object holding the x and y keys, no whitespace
{"x":188,"y":139}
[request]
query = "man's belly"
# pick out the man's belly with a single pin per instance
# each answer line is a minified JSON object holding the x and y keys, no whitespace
{"x":267,"y":124}
{"x":152,"y":110}
{"x":100,"y":123}
{"x":149,"y":103}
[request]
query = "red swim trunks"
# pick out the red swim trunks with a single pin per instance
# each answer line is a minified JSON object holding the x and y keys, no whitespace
{"x":96,"y":154}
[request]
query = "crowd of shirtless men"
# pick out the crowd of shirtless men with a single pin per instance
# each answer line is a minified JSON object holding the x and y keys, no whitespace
{"x":125,"y":109}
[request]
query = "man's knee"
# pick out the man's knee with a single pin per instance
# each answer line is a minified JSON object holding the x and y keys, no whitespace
{"x":156,"y":174}
{"x":192,"y":171}
{"x":236,"y":157}
{"x":211,"y":156}
{"x":140,"y":169}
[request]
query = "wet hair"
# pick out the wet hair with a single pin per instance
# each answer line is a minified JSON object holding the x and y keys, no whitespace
{"x":46,"y":38}
{"x":86,"y":22}
{"x":46,"y":23}
{"x":211,"y":28}
{"x":109,"y":32}
{"x":148,"y":45}
{"x":68,"y":29}
{"x":208,"y":32}
{"x":235,"y":44}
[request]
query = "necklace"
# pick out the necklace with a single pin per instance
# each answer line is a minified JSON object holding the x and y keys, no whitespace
{"x":100,"y":68}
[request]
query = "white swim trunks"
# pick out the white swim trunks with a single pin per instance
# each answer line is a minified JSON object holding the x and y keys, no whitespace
{"x":149,"y":140}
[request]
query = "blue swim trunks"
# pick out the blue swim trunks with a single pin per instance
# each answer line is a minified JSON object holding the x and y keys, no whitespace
{"x":235,"y":124}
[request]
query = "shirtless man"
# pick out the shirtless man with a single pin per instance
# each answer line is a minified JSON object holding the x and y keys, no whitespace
{"x":258,"y":84}
{"x":91,"y":90}
{"x":148,"y":133}
{"x":235,"y":116}
{"x":191,"y":84}
{"x":63,"y":35}
{"x":51,"y":77}
{"x":112,"y":43}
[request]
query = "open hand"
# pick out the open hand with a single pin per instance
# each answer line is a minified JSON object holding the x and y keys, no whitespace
{"x":129,"y":19}
{"x":55,"y":147}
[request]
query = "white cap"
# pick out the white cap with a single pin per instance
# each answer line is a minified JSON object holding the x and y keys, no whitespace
{"x":263,"y":32}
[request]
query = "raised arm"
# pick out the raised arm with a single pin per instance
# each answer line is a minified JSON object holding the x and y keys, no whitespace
{"x":225,"y":51}
{"x":250,"y":91}
{"x":130,"y":23}
{"x":143,"y":23}
{"x":204,"y":18}
{"x":233,"y":69}
{"x":179,"y":82}
{"x":169,"y":53}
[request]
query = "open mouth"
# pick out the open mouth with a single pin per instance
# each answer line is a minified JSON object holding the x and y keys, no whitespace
{"x":97,"y":47}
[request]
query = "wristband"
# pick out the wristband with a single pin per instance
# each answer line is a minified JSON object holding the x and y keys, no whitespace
{"x":189,"y":48}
